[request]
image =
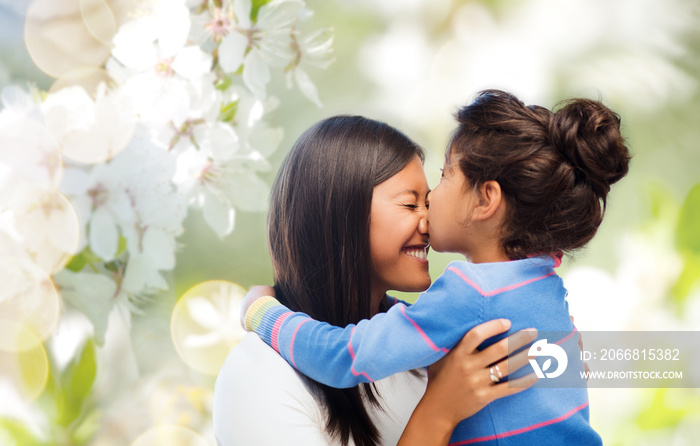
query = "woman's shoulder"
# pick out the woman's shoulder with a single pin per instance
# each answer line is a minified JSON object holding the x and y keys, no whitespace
{"x":255,"y":389}
{"x":252,"y":362}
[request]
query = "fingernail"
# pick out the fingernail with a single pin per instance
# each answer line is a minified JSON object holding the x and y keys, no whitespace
{"x":532,"y":332}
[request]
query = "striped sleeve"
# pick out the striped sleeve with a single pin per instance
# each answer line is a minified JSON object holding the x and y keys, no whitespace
{"x":403,"y":338}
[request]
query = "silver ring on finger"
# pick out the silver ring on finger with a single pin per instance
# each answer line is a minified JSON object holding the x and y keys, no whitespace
{"x":495,"y":374}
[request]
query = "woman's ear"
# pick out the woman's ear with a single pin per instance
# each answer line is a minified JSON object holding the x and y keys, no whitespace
{"x":490,"y":201}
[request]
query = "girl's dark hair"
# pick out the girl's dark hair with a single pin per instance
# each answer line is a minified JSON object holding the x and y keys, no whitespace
{"x":318,"y":230}
{"x":555,"y":169}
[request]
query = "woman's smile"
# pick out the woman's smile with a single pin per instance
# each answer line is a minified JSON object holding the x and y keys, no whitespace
{"x":419,"y":252}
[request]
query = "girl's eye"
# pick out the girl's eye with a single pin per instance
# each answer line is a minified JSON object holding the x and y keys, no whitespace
{"x":411,"y":206}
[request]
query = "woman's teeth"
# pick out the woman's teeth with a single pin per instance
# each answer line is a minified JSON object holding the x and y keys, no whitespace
{"x":418,"y":253}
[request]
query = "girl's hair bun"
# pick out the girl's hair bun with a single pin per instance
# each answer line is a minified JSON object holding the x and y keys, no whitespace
{"x":555,"y":169}
{"x":587,"y":134}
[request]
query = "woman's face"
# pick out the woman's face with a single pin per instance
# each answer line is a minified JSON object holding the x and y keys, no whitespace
{"x":399,"y":232}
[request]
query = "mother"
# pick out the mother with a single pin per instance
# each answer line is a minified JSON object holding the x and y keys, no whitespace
{"x":347,"y":224}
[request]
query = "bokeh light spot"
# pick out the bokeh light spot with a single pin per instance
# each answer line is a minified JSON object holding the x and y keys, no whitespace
{"x":38,"y":223}
{"x":28,"y":297}
{"x":86,"y":77}
{"x":91,"y":122}
{"x":23,"y":360}
{"x":58,"y":38}
{"x":99,"y":20}
{"x":205,"y":324}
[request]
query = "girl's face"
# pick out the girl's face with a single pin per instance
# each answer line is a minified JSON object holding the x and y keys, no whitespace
{"x":398,"y":232}
{"x":451,"y":204}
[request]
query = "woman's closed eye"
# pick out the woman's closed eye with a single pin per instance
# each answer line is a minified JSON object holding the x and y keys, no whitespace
{"x":415,"y":206}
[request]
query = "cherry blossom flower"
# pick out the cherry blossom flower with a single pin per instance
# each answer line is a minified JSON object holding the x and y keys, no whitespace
{"x":151,"y":59}
{"x":315,"y":50}
{"x":213,"y":23}
{"x":260,"y":44}
{"x":219,"y":176}
{"x":132,"y":192}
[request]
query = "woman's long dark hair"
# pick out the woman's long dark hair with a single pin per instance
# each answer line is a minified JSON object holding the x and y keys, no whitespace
{"x":318,"y":230}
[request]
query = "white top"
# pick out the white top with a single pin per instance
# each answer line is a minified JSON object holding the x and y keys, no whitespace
{"x":259,"y":399}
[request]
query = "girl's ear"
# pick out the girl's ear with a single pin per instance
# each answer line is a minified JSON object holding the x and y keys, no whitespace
{"x":489,"y":202}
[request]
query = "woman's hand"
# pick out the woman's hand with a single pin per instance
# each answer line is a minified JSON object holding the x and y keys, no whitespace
{"x":461,"y":383}
{"x":254,"y":294}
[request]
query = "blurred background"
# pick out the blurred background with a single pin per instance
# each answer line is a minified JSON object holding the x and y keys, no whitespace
{"x":411,"y":63}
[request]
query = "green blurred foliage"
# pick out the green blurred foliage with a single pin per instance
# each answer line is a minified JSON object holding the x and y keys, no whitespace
{"x":687,"y":233}
{"x":66,"y":401}
{"x":688,"y":243}
{"x":668,"y":407}
{"x":15,"y":433}
{"x":256,"y":4}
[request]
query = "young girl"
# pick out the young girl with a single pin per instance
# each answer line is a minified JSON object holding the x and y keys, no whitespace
{"x":520,"y":186}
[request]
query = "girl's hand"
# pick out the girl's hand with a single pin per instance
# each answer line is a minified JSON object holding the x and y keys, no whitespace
{"x":254,"y":294}
{"x":460,"y":384}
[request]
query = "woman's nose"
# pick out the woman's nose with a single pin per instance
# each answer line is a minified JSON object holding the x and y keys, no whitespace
{"x":423,"y":223}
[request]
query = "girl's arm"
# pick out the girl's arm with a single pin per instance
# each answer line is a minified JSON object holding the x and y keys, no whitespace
{"x":403,"y":338}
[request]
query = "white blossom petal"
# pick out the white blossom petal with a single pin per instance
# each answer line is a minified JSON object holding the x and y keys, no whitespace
{"x":134,"y":46}
{"x":192,"y":62}
{"x":156,"y":281}
{"x":256,"y":73}
{"x":190,"y":165}
{"x":120,"y":206}
{"x":257,"y":162}
{"x":174,"y":24}
{"x":247,"y":191}
{"x":159,"y":100}
{"x":306,"y":86}
{"x":242,"y":8}
{"x":231,"y":52}
{"x":219,"y":216}
{"x":279,"y":14}
{"x":138,"y":268}
{"x":103,"y":237}
{"x":160,"y":247}
{"x":223,"y":141}
{"x":265,"y":139}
